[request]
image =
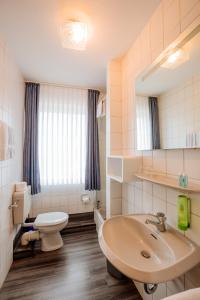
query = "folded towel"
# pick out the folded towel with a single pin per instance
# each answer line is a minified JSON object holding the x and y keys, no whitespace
{"x":20,"y":186}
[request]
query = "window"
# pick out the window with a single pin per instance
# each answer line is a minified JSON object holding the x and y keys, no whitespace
{"x":62,"y":135}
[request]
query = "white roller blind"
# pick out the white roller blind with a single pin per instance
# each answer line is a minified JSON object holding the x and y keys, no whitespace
{"x":62,"y":135}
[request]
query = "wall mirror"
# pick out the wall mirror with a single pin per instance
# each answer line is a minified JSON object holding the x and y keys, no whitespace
{"x":168,"y":99}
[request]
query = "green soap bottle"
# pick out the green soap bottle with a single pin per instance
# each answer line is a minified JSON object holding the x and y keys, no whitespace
{"x":183,"y":212}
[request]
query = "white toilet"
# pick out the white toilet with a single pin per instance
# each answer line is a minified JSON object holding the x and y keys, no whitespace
{"x":49,"y":225}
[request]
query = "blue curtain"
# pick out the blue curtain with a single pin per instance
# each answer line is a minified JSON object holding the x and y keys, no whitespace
{"x":30,"y":154}
{"x":92,"y":172}
{"x":154,"y":122}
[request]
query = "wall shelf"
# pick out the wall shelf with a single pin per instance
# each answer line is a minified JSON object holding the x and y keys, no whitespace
{"x":169,"y":182}
{"x":123,"y":168}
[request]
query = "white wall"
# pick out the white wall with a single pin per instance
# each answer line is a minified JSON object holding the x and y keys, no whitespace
{"x":11,"y":111}
{"x":169,"y":20}
{"x":66,"y":198}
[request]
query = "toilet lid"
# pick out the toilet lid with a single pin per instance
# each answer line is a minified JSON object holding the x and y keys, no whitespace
{"x":51,"y":218}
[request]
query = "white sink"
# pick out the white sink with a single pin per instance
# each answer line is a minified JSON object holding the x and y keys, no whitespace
{"x":126,"y":240}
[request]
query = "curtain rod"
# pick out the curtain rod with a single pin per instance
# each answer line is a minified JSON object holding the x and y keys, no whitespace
{"x":64,"y":85}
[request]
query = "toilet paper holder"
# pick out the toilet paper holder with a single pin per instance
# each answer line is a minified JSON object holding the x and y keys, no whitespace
{"x":85,"y":198}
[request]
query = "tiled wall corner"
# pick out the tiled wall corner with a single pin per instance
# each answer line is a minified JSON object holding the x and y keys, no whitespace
{"x":114,"y":104}
{"x":114,"y":133}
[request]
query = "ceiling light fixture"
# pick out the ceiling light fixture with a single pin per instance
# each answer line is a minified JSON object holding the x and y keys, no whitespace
{"x":74,"y":35}
{"x":175,"y":59}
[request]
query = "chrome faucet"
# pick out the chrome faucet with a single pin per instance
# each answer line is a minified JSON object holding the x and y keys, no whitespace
{"x":160,"y":223}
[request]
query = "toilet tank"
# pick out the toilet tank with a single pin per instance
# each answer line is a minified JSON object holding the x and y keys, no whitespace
{"x":23,"y":202}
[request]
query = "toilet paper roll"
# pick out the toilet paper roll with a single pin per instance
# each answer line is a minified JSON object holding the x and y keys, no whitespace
{"x":85,"y":199}
{"x":20,"y":186}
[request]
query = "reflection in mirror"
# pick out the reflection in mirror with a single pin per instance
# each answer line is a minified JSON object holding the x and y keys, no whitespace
{"x":168,"y":100}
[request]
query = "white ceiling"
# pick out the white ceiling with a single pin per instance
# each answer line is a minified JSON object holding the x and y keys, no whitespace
{"x":31,"y":31}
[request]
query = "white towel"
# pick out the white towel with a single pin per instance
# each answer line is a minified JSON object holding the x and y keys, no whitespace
{"x":20,"y":186}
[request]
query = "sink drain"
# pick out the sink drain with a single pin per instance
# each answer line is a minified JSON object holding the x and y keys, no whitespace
{"x":145,"y":254}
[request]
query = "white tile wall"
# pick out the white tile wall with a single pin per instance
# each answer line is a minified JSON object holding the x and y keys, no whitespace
{"x":114,"y":109}
{"x":11,"y":111}
{"x":170,"y":18}
{"x":147,"y":160}
{"x":171,"y":21}
{"x":62,"y":198}
{"x":189,"y":11}
{"x":181,"y":101}
{"x":113,"y":133}
{"x":174,"y":162}
{"x":175,"y":286}
{"x":191,"y":158}
{"x":145,"y":46}
{"x":156,"y":32}
{"x":101,"y":195}
{"x":159,"y":161}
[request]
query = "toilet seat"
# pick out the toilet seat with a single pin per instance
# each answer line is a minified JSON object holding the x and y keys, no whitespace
{"x":51,"y":218}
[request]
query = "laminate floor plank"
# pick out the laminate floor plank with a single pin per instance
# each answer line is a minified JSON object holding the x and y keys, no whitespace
{"x":77,"y":271}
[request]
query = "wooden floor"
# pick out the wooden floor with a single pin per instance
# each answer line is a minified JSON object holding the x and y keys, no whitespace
{"x":75,"y":272}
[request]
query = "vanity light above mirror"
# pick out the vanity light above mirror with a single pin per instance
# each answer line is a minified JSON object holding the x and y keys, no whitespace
{"x":175,"y":59}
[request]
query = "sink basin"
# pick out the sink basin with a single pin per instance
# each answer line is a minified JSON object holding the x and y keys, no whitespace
{"x":142,"y":253}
